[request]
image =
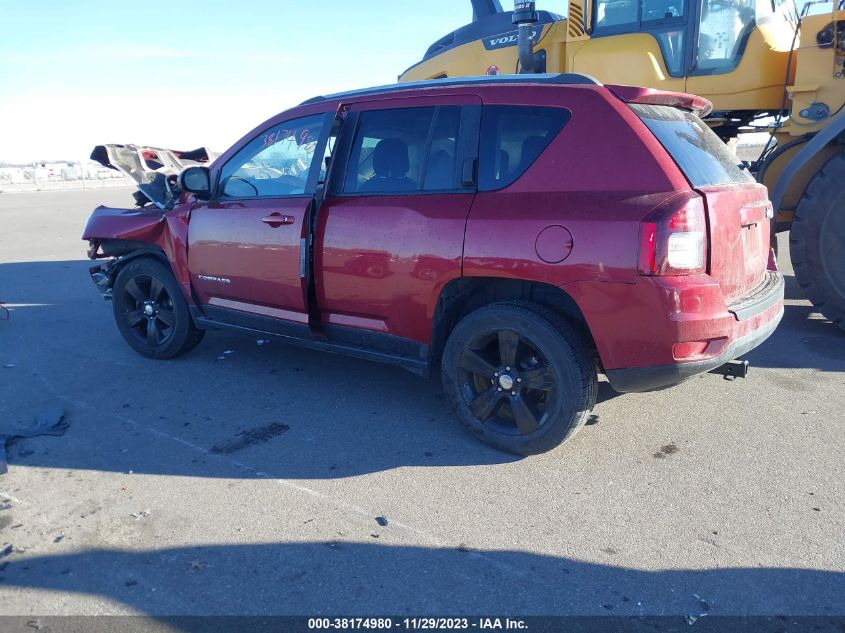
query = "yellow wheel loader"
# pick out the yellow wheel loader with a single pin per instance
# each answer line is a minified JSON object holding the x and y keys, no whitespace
{"x":764,"y":65}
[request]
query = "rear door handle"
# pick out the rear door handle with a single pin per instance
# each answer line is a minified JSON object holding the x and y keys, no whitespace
{"x":276,"y":219}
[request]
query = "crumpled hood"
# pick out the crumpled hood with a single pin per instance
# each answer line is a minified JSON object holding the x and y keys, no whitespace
{"x":154,"y":169}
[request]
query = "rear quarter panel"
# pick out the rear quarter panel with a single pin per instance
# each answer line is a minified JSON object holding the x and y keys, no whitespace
{"x":601,"y":174}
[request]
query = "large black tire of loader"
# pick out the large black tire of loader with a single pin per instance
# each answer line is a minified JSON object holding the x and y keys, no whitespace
{"x":817,"y":240}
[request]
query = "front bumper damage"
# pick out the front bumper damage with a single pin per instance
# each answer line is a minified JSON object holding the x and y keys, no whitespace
{"x":102,"y":277}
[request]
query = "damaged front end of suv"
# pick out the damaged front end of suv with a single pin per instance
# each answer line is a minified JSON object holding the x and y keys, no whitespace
{"x":157,"y":223}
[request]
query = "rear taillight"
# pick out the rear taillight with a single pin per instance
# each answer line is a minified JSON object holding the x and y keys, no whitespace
{"x":673,"y":237}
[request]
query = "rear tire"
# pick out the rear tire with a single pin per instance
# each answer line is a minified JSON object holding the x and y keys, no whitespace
{"x":519,"y":377}
{"x":151,"y":312}
{"x":817,"y":240}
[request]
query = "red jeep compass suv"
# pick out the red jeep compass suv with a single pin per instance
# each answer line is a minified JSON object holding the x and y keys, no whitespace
{"x":523,"y":233}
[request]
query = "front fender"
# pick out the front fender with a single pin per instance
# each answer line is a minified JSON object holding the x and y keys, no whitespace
{"x":148,"y":231}
{"x":142,"y":224}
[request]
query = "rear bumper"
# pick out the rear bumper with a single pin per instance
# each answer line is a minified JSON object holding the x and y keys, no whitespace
{"x":661,"y":376}
{"x":735,"y":330}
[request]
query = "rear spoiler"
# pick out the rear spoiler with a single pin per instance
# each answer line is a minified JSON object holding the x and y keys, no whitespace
{"x":648,"y":96}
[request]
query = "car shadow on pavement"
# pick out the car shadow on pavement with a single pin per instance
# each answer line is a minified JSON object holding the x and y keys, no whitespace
{"x":240,"y":406}
{"x":237,"y":406}
{"x":341,"y":577}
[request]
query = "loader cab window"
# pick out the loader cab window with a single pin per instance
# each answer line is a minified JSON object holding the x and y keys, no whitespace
{"x":724,"y":25}
{"x":616,"y":13}
{"x":724,"y":28}
{"x":632,"y":16}
{"x":663,"y":19}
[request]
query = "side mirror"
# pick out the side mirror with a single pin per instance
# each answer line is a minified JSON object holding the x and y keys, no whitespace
{"x":196,"y":180}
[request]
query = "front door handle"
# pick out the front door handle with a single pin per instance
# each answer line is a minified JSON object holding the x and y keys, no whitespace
{"x":276,"y":219}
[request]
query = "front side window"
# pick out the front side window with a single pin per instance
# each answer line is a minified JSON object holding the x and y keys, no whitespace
{"x":512,"y":137}
{"x":441,"y":167}
{"x":275,"y":163}
{"x":404,"y":150}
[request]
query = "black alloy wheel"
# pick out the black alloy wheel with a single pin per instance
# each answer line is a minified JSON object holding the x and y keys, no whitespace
{"x":519,"y":376}
{"x":151,"y":312}
{"x":148,"y":310}
{"x":507,"y":381}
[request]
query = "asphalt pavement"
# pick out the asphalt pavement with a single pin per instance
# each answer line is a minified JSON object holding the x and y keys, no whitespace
{"x":249,"y":478}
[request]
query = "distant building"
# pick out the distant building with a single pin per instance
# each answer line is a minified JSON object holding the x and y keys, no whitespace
{"x":12,"y":175}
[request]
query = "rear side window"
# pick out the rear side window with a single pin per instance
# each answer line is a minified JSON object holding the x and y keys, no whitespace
{"x":512,"y":137}
{"x":404,"y":150}
{"x":701,"y":155}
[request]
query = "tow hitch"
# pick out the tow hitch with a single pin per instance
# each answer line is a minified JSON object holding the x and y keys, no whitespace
{"x":732,"y":369}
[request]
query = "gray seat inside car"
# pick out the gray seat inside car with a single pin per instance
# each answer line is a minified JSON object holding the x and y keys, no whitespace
{"x":390,"y":164}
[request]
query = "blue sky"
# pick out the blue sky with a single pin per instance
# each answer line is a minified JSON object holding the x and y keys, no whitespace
{"x":183,"y":74}
{"x":75,"y":73}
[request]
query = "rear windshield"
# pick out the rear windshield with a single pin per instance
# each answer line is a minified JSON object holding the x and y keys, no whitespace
{"x":701,"y":155}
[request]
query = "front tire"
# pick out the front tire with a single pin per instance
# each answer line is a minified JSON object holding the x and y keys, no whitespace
{"x":817,"y":240}
{"x":151,"y":312}
{"x":519,"y":377}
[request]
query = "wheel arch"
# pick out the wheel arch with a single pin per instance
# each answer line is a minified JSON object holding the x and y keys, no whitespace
{"x":125,"y":251}
{"x":463,"y":295}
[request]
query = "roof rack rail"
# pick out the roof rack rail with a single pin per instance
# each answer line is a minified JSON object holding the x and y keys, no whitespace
{"x":540,"y":78}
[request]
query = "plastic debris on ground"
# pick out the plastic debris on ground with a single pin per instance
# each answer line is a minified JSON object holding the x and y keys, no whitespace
{"x":50,"y":422}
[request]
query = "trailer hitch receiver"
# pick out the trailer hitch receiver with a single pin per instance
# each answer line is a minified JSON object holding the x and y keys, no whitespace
{"x":732,"y":369}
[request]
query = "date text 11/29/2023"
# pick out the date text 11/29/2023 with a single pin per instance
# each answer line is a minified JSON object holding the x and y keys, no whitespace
{"x":422,"y":623}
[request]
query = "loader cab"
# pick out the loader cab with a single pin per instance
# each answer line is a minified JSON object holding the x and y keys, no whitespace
{"x":696,"y":37}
